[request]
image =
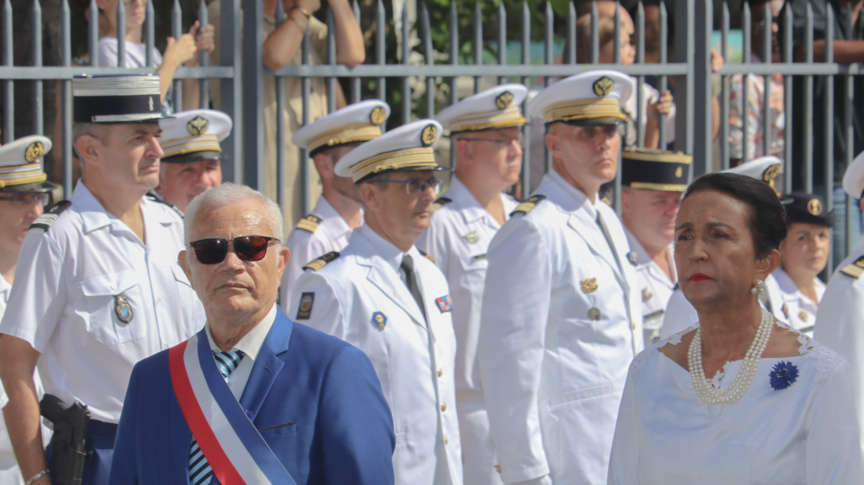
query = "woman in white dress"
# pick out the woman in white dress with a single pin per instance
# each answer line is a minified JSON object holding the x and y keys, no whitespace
{"x":803,"y":255}
{"x":736,"y":398}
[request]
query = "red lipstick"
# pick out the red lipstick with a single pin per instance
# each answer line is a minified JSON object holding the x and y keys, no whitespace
{"x":699,"y":277}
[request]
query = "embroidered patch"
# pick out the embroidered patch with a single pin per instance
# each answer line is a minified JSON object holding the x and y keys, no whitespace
{"x":429,"y":135}
{"x":377,"y":116}
{"x":444,"y":303}
{"x":589,"y":285}
{"x":504,"y":100}
{"x":197,"y":126}
{"x":594,"y":314}
{"x":379,"y":320}
{"x":34,"y":151}
{"x":603,"y":86}
{"x":304,"y":310}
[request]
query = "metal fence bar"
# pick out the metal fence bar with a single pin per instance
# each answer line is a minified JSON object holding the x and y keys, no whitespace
{"x":66,"y":98}
{"x":426,"y":32}
{"x":406,"y":57}
{"x":454,"y":51}
{"x":725,"y":85}
{"x":253,"y":97}
{"x":204,"y":59}
{"x":176,"y":32}
{"x":8,"y":85}
{"x":149,"y":36}
{"x":305,"y":175}
{"x":787,"y":101}
{"x":121,"y":34}
{"x":232,"y":88}
{"x":502,"y":39}
{"x":331,"y":60}
{"x":526,"y":133}
{"x":355,"y":82}
{"x":379,"y":48}
{"x":38,"y":104}
{"x":640,"y":80}
{"x":808,"y":101}
{"x":746,"y":27}
{"x":478,"y":45}
{"x":279,"y":88}
{"x":664,"y":28}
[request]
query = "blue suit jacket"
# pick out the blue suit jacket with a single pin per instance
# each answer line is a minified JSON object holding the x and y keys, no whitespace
{"x":315,"y":399}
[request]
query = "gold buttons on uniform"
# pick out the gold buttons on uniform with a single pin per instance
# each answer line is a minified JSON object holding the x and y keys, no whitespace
{"x":446,"y":440}
{"x":632,"y":325}
{"x":440,"y":372}
{"x":443,"y":407}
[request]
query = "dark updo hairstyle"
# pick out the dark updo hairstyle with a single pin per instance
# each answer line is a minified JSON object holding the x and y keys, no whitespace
{"x":767,"y":216}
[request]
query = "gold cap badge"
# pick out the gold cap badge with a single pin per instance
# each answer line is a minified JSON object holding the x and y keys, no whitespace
{"x":603,"y":86}
{"x":504,"y":100}
{"x":377,"y":116}
{"x":34,"y":151}
{"x":429,"y":135}
{"x":679,"y":172}
{"x":197,"y":126}
{"x":814,"y":207}
{"x":770,"y":174}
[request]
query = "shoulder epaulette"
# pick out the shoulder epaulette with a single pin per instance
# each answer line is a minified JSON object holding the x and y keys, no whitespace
{"x":422,"y":253}
{"x":441,"y":202}
{"x":50,"y":215}
{"x":308,"y":223}
{"x":528,"y":205}
{"x":317,"y":264}
{"x":156,"y":198}
{"x":855,"y":269}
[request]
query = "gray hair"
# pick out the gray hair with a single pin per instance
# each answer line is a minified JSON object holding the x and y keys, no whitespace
{"x":229,"y":193}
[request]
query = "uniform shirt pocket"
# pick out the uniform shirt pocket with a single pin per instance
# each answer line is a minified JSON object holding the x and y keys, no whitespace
{"x":113,"y":305}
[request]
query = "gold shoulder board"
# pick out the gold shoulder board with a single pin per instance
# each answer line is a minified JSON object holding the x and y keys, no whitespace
{"x":528,"y":205}
{"x":317,"y":264}
{"x":855,"y":269}
{"x":309,"y":223}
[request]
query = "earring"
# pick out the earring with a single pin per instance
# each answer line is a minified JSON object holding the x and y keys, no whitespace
{"x":758,"y":287}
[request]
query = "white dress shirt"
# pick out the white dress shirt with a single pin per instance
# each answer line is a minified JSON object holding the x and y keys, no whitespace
{"x":799,"y":310}
{"x":250,"y":344}
{"x":654,"y":286}
{"x":67,"y":299}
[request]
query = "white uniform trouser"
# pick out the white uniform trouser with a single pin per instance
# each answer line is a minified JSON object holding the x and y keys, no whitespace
{"x":478,"y":452}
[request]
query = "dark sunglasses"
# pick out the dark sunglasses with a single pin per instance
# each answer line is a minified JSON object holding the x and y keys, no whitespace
{"x":248,"y":248}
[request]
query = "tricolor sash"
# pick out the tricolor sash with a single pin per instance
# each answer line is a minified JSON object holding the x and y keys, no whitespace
{"x":230,"y":442}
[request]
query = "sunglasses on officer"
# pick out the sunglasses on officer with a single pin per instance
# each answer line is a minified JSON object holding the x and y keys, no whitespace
{"x":248,"y":248}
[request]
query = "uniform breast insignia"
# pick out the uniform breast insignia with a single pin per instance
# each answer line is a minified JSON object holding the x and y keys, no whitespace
{"x":309,"y":223}
{"x":122,"y":308}
{"x":317,"y":264}
{"x":594,"y":314}
{"x":472,"y":237}
{"x":854,"y":270}
{"x":631,"y":256}
{"x":444,"y":303}
{"x":379,"y":320}
{"x":528,"y":205}
{"x":479,"y":257}
{"x":50,"y":215}
{"x":653,"y":315}
{"x":589,"y":285}
{"x":803,"y":316}
{"x":646,"y":294}
{"x":304,"y":310}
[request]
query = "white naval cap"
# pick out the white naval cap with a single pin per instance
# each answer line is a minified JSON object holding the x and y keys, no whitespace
{"x":404,"y":149}
{"x":492,"y":109}
{"x":20,"y":165}
{"x":194,"y":135}
{"x":358,"y":122}
{"x":116,"y":98}
{"x":853,"y":179}
{"x":765,"y":168}
{"x":590,"y":98}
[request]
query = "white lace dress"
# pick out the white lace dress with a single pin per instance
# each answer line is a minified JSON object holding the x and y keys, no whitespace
{"x":803,"y":433}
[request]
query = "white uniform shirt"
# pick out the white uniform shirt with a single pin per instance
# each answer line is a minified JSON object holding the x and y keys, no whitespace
{"x":561,"y":322}
{"x":799,"y":310}
{"x":458,"y":238}
{"x":331,"y":234}
{"x":654,"y":287}
{"x":680,"y":314}
{"x":839,"y":322}
{"x":65,"y":299}
{"x":9,"y":472}
{"x":361,"y":298}
{"x":136,"y":54}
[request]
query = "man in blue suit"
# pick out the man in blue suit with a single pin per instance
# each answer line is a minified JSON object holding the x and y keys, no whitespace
{"x":253,"y":397}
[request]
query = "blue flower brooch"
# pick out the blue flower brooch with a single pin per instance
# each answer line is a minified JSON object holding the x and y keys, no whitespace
{"x":783,"y":375}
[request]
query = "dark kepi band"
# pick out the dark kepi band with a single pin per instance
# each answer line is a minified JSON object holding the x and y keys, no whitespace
{"x":31,"y":188}
{"x":195,"y":157}
{"x":655,"y":170}
{"x":117,"y":109}
{"x":806,"y":209}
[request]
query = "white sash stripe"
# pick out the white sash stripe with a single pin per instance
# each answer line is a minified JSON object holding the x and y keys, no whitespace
{"x":228,"y":439}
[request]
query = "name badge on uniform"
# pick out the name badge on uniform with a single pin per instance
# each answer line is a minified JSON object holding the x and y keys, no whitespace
{"x":379,"y":320}
{"x":589,"y":285}
{"x":123,"y":309}
{"x":594,"y":314}
{"x":444,"y":303}
{"x":304,"y":310}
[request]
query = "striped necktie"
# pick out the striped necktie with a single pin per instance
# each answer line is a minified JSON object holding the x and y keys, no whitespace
{"x":199,"y":470}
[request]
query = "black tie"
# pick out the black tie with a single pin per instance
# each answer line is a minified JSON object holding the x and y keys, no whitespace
{"x":411,"y":282}
{"x":609,"y":240}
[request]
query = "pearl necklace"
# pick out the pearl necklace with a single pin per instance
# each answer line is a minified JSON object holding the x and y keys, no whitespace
{"x":743,"y":379}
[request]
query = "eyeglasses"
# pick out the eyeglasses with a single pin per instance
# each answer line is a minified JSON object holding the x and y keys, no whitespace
{"x":416,"y":186}
{"x":500,"y":143}
{"x":248,"y":248}
{"x":26,"y":200}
